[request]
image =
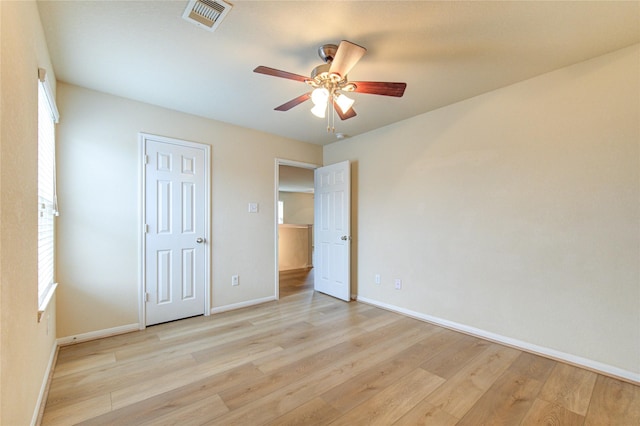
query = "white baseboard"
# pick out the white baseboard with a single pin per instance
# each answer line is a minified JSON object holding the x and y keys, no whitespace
{"x":234,"y":306}
{"x":98,"y":334}
{"x":588,"y":364}
{"x":45,"y":383}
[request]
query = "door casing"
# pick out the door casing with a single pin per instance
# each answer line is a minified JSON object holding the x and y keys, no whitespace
{"x":283,"y":162}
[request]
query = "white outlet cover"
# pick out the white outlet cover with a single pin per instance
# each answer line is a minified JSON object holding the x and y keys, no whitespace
{"x":253,"y":207}
{"x":398,"y":284}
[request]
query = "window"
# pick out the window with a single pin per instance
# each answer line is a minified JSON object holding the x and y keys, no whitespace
{"x":280,"y":212}
{"x":47,"y":203}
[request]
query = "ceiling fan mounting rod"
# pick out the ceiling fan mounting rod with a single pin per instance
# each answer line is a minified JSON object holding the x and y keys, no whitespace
{"x":327,"y":52}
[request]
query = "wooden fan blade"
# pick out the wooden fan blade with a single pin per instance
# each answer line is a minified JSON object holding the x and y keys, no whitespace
{"x":279,"y":73}
{"x":380,"y":88}
{"x":293,"y":102}
{"x":343,"y":115}
{"x":347,"y":55}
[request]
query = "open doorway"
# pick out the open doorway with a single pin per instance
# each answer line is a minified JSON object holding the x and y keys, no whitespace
{"x":294,"y":227}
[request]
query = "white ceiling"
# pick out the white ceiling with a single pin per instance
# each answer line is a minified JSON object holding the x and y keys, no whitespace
{"x":444,"y":51}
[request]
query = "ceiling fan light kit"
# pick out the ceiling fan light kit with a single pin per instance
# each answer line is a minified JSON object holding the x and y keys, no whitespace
{"x":329,"y":81}
{"x":319,"y":110}
{"x":344,"y":102}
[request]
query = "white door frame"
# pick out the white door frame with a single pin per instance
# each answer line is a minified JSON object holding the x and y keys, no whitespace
{"x":283,"y":162}
{"x":142,"y":144}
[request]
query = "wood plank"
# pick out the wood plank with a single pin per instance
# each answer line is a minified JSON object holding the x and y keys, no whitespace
{"x":75,"y":412}
{"x":173,"y":379}
{"x":569,"y":387}
{"x":318,"y":381}
{"x":533,"y":366}
{"x":506,"y":402}
{"x":92,"y":383}
{"x":271,"y":363}
{"x":509,"y":399}
{"x":394,"y":401}
{"x":91,"y":361}
{"x":194,"y":414}
{"x":446,"y":363}
{"x":458,"y":394}
{"x":239,"y":396}
{"x":545,"y":413}
{"x":426,"y":414}
{"x":614,"y":403}
{"x":315,"y":412}
{"x":375,"y":379}
{"x":75,"y":351}
{"x":166,"y":402}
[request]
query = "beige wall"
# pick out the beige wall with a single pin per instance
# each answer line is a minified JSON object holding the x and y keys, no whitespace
{"x":26,"y":346}
{"x":294,"y":247}
{"x":515,"y":212}
{"x":98,"y":197}
{"x":294,"y":243}
{"x":298,"y":207}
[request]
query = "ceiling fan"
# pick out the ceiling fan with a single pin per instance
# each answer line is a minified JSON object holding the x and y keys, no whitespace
{"x":329,"y":81}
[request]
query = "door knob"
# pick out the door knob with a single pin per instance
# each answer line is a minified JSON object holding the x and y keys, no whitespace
{"x":200,"y":240}
{"x":345,"y":238}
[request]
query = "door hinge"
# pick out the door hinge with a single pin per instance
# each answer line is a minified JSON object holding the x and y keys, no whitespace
{"x":145,"y":159}
{"x":145,"y":229}
{"x":146,"y":297}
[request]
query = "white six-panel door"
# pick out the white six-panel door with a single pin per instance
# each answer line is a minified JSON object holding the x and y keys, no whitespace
{"x":332,"y":205}
{"x":175,"y":233}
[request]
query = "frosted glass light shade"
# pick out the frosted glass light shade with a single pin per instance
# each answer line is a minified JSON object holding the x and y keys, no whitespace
{"x":320,"y":96}
{"x":319,"y":110}
{"x":344,"y":102}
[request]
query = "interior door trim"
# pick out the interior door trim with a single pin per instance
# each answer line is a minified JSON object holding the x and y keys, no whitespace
{"x":282,"y":162}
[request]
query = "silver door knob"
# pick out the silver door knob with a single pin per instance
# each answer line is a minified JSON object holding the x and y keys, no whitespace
{"x":199,"y":240}
{"x":344,"y":238}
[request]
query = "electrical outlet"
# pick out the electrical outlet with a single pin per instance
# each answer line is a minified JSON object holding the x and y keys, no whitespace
{"x":377,"y":278}
{"x":235,"y":280}
{"x":398,"y":284}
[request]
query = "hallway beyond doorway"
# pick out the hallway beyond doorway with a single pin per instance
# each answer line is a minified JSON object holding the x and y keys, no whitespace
{"x":296,"y":281}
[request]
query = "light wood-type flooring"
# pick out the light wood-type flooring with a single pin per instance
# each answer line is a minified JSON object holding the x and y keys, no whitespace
{"x":309,"y":359}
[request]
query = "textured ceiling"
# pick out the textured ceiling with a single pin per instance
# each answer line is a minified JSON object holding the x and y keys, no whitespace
{"x":444,"y":51}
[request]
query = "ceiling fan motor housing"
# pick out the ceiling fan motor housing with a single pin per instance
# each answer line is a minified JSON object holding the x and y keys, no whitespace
{"x":327,"y":52}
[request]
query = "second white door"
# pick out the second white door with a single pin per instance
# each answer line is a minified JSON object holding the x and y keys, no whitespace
{"x":332,"y":205}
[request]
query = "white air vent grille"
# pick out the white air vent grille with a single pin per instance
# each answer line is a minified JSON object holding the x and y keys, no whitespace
{"x":206,"y":14}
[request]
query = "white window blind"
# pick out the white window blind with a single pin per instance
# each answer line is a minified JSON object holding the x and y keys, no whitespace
{"x":47,"y":202}
{"x":280,"y":212}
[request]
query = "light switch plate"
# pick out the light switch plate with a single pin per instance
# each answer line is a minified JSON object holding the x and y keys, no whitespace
{"x":253,"y":207}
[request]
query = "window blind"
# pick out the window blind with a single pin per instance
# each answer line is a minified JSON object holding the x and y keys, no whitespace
{"x":47,"y":202}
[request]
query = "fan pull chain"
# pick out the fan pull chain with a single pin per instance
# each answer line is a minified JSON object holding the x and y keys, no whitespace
{"x":331,"y":118}
{"x":328,"y":118}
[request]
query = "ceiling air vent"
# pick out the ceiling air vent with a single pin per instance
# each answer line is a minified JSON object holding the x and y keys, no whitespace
{"x":206,"y":14}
